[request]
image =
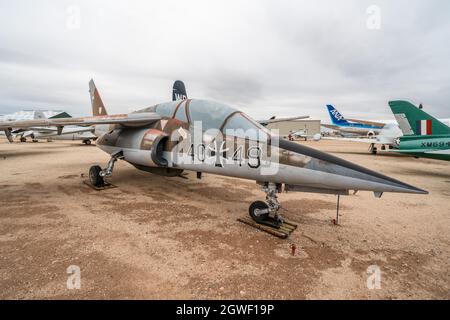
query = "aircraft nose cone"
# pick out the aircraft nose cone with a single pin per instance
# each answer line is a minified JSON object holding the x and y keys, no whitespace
{"x":350,"y":176}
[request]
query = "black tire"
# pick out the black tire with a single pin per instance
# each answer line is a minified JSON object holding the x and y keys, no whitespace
{"x":22,"y":139}
{"x":95,"y":177}
{"x":87,"y":142}
{"x":258,"y":205}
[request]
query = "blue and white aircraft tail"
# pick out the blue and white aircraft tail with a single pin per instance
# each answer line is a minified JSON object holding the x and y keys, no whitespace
{"x":352,"y":126}
{"x":336,"y":117}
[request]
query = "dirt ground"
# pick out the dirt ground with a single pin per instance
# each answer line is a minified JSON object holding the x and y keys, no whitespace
{"x":154,"y":237}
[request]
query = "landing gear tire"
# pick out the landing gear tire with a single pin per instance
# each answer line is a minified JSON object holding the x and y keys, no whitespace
{"x":255,"y":211}
{"x":22,"y":139}
{"x":87,"y":142}
{"x":95,"y":177}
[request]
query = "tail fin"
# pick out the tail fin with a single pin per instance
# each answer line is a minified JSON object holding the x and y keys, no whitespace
{"x":414,"y":121}
{"x":179,"y":91}
{"x":61,"y":115}
{"x":336,"y":117}
{"x":38,"y":115}
{"x":98,"y":108}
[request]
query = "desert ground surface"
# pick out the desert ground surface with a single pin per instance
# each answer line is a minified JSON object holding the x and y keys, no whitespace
{"x":155,"y":237}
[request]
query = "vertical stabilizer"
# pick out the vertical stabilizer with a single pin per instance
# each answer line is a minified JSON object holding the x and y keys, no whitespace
{"x":179,"y":91}
{"x":415,"y":121}
{"x":335,"y":116}
{"x":98,"y":108}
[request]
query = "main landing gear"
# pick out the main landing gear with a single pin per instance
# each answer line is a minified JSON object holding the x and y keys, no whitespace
{"x":266,"y":213}
{"x":97,"y":174}
{"x":373,"y":149}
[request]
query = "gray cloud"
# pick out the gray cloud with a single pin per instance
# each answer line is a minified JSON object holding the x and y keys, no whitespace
{"x":266,"y":57}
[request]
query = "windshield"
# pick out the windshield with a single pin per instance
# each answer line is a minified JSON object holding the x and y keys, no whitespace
{"x":242,"y":127}
{"x":167,"y":109}
{"x":211,"y":114}
{"x":181,"y":112}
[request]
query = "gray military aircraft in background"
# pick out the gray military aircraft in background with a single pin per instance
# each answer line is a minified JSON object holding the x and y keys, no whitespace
{"x":85,"y":134}
{"x":206,"y":136}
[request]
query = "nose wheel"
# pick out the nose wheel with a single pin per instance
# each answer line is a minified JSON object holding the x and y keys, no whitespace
{"x":259,"y":211}
{"x":97,"y":174}
{"x":95,"y":177}
{"x":266,"y":213}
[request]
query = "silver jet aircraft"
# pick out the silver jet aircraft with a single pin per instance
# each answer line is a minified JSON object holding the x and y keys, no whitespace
{"x":212,"y":137}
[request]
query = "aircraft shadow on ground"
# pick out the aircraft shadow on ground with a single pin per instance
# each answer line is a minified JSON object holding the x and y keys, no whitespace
{"x":133,"y":176}
{"x":23,"y":153}
{"x":49,"y":148}
{"x":81,"y":145}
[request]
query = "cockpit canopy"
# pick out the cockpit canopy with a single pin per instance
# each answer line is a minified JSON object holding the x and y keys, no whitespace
{"x":212,"y":115}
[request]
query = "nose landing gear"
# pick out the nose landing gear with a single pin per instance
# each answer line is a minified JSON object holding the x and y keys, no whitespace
{"x":266,"y":213}
{"x":97,"y":174}
{"x":265,"y":217}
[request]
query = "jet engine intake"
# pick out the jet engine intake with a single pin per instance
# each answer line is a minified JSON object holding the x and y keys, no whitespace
{"x":157,"y":152}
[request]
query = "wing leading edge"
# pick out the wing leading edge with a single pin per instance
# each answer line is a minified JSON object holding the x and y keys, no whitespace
{"x":126,"y":120}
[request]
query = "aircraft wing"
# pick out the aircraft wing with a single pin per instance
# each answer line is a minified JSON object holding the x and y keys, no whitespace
{"x":275,"y":120}
{"x":126,"y":120}
{"x":70,"y":130}
{"x":40,"y":129}
{"x":386,"y":140}
{"x":330,"y":126}
{"x":362,"y":140}
{"x":132,"y":119}
{"x":369,"y":123}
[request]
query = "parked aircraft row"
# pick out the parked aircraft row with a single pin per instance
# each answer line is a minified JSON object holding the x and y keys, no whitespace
{"x":206,"y":136}
{"x":414,"y":132}
{"x":84,"y":134}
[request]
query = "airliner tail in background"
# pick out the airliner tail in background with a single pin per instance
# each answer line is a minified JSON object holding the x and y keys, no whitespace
{"x":335,"y":116}
{"x":353,"y":126}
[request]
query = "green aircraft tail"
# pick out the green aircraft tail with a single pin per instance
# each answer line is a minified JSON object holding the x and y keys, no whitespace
{"x":61,"y":115}
{"x":414,"y":121}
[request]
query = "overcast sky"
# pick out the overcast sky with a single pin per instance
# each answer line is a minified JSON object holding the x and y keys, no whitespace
{"x":267,"y":58}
